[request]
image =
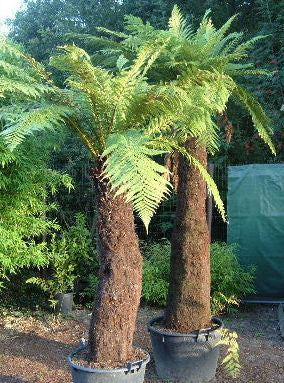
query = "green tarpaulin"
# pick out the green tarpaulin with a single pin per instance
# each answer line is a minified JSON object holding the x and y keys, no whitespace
{"x":256,"y":223}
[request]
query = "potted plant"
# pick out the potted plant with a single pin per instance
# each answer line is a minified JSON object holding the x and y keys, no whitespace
{"x":65,"y":255}
{"x":189,"y":351}
{"x":205,"y":66}
{"x":110,"y":114}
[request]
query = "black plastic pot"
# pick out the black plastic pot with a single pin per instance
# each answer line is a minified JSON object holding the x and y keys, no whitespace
{"x":186,"y":358}
{"x":65,"y":303}
{"x":134,"y":373}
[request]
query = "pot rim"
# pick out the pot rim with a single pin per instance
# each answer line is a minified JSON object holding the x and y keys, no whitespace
{"x":131,"y":366}
{"x":193,"y":334}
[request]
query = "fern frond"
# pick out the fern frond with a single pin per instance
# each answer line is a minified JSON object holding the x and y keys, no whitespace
{"x":98,"y":41}
{"x":15,"y":72}
{"x":136,"y":26}
{"x":231,"y":361}
{"x":16,"y":54}
{"x":178,"y":25}
{"x":133,"y":172}
{"x":113,"y":33}
{"x":260,"y":120}
{"x":46,"y":117}
{"x":85,"y":137}
{"x":169,"y":145}
{"x":10,"y":86}
{"x":211,"y":185}
{"x":244,"y":47}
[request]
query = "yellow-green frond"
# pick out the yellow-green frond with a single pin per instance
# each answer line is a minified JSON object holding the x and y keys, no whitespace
{"x":133,"y":172}
{"x":260,"y":120}
{"x":42,"y":118}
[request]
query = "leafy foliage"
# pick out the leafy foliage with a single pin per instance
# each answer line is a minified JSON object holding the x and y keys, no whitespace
{"x":26,"y":184}
{"x":230,"y":281}
{"x":99,"y":107}
{"x":95,"y":105}
{"x":156,"y":272}
{"x":41,"y":25}
{"x":197,"y":73}
{"x":66,"y":255}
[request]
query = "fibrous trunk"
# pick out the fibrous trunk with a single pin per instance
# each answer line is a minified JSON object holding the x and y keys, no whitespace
{"x":188,"y":305}
{"x":115,"y":309}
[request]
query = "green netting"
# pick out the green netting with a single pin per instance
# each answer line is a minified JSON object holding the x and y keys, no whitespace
{"x":256,"y":222}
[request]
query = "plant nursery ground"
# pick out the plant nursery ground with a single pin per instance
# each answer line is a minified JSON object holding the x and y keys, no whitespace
{"x":33,"y":349}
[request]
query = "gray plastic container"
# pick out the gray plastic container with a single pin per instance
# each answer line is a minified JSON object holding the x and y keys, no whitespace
{"x":134,"y":373}
{"x":65,"y":303}
{"x":186,"y":358}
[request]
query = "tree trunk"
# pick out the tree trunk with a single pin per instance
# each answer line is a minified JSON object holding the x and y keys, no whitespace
{"x":188,"y":305}
{"x":113,"y":320}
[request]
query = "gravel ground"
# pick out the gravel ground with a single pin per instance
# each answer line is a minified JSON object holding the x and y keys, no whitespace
{"x":34,"y":349}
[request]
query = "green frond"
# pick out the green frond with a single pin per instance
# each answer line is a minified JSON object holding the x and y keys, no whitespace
{"x":97,"y":41}
{"x":170,"y":145}
{"x":225,"y":27}
{"x":260,"y":120}
{"x":113,"y":33}
{"x":212,"y":39}
{"x":10,"y":86}
{"x":85,"y":137}
{"x":132,"y":171}
{"x":243,"y":48}
{"x":206,"y":27}
{"x":136,"y":26}
{"x":211,"y":185}
{"x":227,"y":44}
{"x":46,"y":117}
{"x":231,"y":361}
{"x":15,"y":72}
{"x":17,"y":55}
{"x":178,"y":25}
{"x":128,"y":84}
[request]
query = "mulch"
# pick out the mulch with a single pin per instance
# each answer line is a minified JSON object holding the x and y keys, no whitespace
{"x":33,"y":349}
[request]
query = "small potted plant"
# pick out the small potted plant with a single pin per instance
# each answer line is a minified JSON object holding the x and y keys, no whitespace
{"x":66,"y":252}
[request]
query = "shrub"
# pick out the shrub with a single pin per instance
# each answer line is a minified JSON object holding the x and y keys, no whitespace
{"x":230,"y":280}
{"x":156,"y":271}
{"x":68,"y":255}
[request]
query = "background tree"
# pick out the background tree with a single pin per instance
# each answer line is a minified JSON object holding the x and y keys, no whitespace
{"x":40,"y":27}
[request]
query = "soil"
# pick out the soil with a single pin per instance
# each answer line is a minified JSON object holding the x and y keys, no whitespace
{"x":82,"y":359}
{"x":209,"y":327}
{"x":33,"y":349}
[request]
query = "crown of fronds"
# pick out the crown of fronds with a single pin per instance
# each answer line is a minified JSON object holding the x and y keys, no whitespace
{"x":203,"y":68}
{"x":108,"y":112}
{"x":193,"y":56}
